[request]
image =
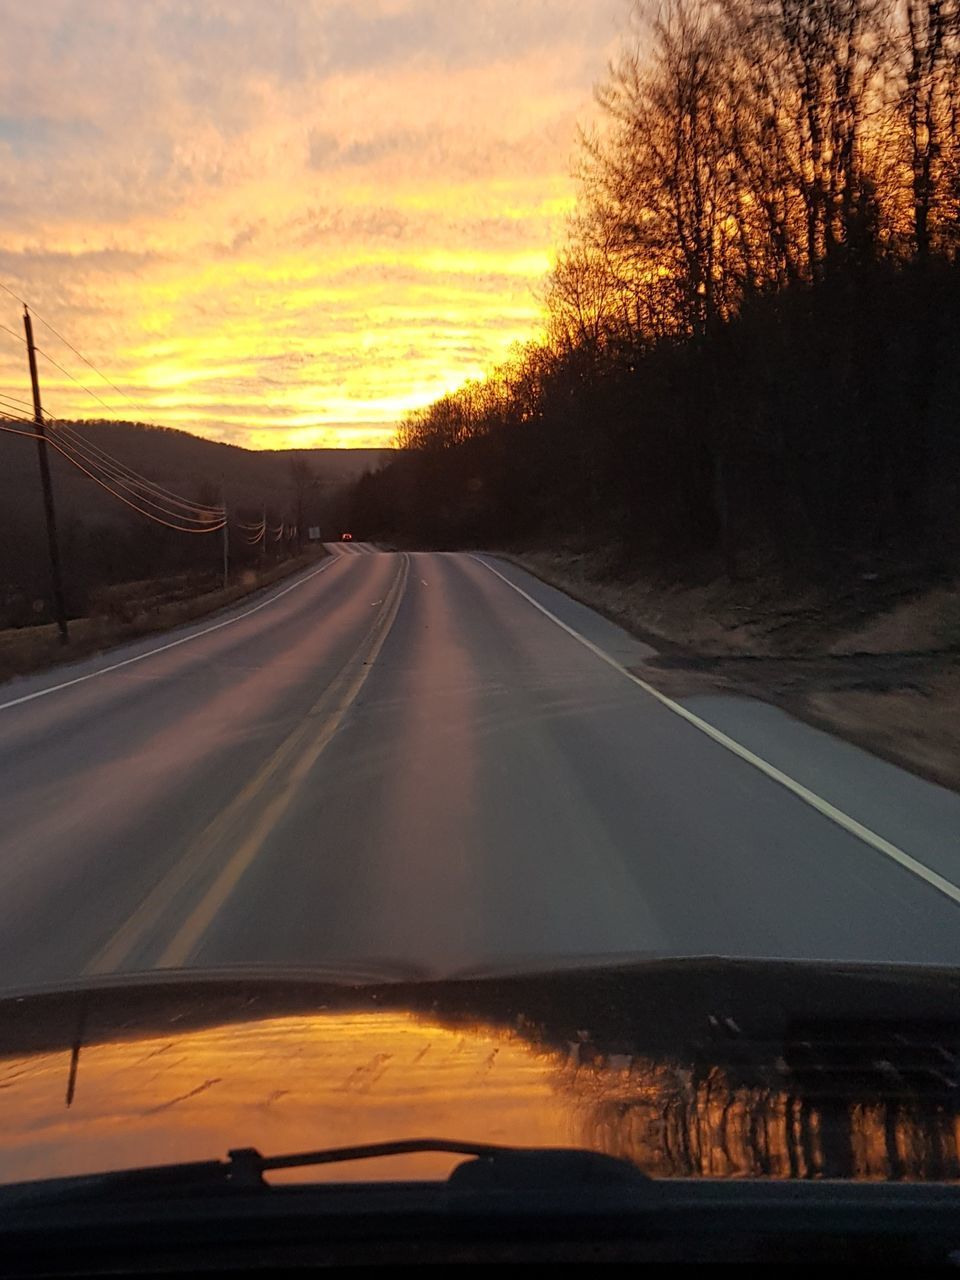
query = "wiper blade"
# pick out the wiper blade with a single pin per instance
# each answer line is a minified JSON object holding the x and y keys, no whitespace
{"x":492,"y":1166}
{"x":249,"y":1165}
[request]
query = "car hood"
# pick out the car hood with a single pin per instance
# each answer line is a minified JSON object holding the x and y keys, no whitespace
{"x":703,"y":1068}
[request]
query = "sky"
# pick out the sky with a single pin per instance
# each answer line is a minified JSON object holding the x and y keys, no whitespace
{"x":284,"y":223}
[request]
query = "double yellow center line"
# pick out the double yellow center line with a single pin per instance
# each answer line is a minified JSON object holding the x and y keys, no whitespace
{"x":254,"y":812}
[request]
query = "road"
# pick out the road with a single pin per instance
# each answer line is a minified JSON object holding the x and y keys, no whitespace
{"x":433,"y":762}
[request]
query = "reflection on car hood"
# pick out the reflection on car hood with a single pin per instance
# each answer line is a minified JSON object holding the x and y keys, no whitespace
{"x":689,"y":1068}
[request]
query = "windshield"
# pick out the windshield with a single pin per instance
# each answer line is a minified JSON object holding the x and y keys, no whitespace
{"x":479,"y":498}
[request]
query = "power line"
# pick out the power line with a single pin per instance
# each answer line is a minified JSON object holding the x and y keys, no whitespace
{"x":122,"y":481}
{"x":122,"y":468}
{"x":186,"y":504}
{"x":81,"y":442}
{"x":16,"y":400}
{"x":118,"y":476}
{"x":79,"y":354}
{"x":56,"y":364}
{"x":18,"y":416}
{"x":15,"y":407}
{"x":91,"y":365}
{"x":214,"y":528}
{"x":175,"y":498}
{"x":30,"y":435}
{"x":13,"y":333}
{"x":71,"y":443}
{"x":64,"y":450}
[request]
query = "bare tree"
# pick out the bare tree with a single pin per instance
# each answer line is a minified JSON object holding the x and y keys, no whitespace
{"x":657,"y":182}
{"x":930,"y":49}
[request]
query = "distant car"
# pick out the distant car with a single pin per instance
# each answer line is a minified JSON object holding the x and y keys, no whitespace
{"x":346,"y":537}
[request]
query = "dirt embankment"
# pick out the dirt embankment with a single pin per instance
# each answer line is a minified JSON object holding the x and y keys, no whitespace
{"x":878,"y":662}
{"x":134,"y":609}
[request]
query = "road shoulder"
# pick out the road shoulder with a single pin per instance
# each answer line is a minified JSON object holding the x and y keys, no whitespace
{"x":33,"y":651}
{"x":861,"y":684}
{"x":79,"y":666}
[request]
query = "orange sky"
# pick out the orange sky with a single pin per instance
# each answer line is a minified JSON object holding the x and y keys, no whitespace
{"x":285,"y":223}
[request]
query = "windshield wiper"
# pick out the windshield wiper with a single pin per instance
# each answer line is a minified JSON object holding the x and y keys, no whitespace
{"x":492,"y":1166}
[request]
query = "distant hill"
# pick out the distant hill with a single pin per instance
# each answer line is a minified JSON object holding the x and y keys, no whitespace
{"x":181,"y":462}
{"x":106,"y":542}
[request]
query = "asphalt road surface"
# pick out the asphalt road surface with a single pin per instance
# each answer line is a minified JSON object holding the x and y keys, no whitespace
{"x":434,"y":763}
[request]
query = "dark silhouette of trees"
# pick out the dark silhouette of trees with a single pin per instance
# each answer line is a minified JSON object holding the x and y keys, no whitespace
{"x":751,"y":328}
{"x":304,"y":483}
{"x":928,"y":105}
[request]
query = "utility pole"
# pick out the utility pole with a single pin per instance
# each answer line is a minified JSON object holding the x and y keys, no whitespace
{"x":263,"y":540}
{"x":226,"y":533}
{"x":56,"y":579}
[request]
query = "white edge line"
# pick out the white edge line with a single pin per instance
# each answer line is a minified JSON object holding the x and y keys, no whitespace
{"x":172,"y":644}
{"x":803,"y":793}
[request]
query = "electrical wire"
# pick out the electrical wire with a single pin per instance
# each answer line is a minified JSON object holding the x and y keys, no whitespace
{"x":13,"y":334}
{"x":96,"y":479}
{"x":146,"y":483}
{"x":79,"y":354}
{"x":90,"y":365}
{"x":64,"y":452}
{"x":18,"y":415}
{"x":121,"y":471}
{"x":66,"y":372}
{"x":30,"y":435}
{"x":134,"y":490}
{"x":16,"y":400}
{"x":70,"y":442}
{"x":39,"y":350}
{"x":95,"y":453}
{"x":87,"y":447}
{"x":15,"y":410}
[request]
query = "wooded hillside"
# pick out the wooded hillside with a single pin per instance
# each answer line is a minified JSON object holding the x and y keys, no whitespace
{"x":751,"y":335}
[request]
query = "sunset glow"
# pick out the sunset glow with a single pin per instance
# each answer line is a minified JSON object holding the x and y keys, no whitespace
{"x":285,"y":224}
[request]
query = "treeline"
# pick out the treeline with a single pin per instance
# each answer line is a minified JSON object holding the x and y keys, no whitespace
{"x":752,"y":334}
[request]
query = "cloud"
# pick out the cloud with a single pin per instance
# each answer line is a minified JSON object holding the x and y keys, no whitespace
{"x":39,"y":263}
{"x":325,"y":210}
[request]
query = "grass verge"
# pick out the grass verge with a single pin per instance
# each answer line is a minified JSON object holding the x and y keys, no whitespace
{"x":24,"y":650}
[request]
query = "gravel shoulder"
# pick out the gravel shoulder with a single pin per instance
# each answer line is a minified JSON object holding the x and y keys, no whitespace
{"x":877,"y":663}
